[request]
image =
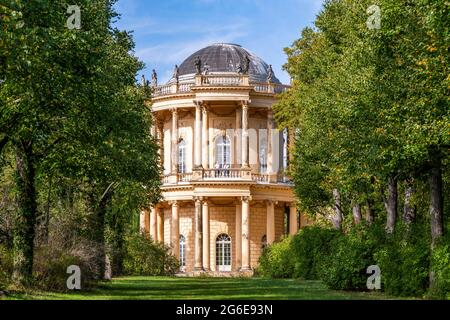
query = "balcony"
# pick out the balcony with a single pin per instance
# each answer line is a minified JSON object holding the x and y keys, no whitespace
{"x":225,"y":175}
{"x":217,"y":80}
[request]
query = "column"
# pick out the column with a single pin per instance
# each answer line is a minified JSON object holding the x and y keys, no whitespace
{"x":160,"y":224}
{"x":270,"y":233}
{"x":244,"y":134}
{"x":293,"y":219}
{"x":269,"y":141}
{"x":198,"y":235}
{"x":245,"y":233}
{"x":205,"y":138}
{"x":142,"y":221}
{"x":153,"y":223}
{"x":174,"y":141}
{"x":197,"y":136}
{"x":238,"y":236}
{"x":175,"y":230}
{"x":206,"y":236}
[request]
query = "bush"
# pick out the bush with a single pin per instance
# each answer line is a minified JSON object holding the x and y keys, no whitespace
{"x":147,"y":258}
{"x":310,"y":246}
{"x":405,"y":261}
{"x":51,"y":262}
{"x":278,"y":260}
{"x":6,"y":267}
{"x":440,"y":264}
{"x":350,"y":256}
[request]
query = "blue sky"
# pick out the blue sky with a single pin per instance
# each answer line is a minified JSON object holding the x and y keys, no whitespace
{"x":168,"y":31}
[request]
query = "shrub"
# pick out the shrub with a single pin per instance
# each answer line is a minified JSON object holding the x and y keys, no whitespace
{"x":6,"y":267}
{"x":145,"y":257}
{"x":278,"y":260}
{"x":440,"y":264}
{"x":310,"y":246}
{"x":405,"y":261}
{"x":350,"y":256}
{"x":51,"y":262}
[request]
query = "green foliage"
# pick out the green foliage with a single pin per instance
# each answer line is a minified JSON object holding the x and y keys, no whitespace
{"x":350,"y":256}
{"x":143,"y":256}
{"x":310,"y":246}
{"x":6,"y":267}
{"x":404,"y":261}
{"x":277,"y":260}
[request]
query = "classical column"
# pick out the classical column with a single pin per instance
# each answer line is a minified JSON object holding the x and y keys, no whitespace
{"x":205,"y":236}
{"x":293,"y":219}
{"x":153,"y":223}
{"x":198,"y":235}
{"x":245,"y":233}
{"x":205,"y":142}
{"x":269,"y":141}
{"x":238,"y":236}
{"x":142,"y":221}
{"x":270,"y":233}
{"x":197,"y":135}
{"x":174,"y":141}
{"x":175,"y":230}
{"x":244,"y":134}
{"x":160,"y":140}
{"x":160,"y":224}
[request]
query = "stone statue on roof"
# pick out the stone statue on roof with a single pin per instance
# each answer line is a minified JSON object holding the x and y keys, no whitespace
{"x":198,"y":65}
{"x":154,"y":79}
{"x":176,"y":73}
{"x":270,"y":74}
{"x":246,"y":65}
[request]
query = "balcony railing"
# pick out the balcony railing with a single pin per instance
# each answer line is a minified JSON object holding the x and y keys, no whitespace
{"x":218,"y":80}
{"x":231,"y":174}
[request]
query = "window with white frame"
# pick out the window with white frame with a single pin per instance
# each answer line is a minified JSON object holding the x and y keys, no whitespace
{"x":223,"y":152}
{"x":182,"y":252}
{"x":182,"y":156}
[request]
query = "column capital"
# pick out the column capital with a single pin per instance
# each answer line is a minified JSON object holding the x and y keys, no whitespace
{"x":205,"y":201}
{"x":244,"y":103}
{"x":173,"y":203}
{"x":292,"y":204}
{"x":271,"y":201}
{"x":246,"y":199}
{"x":174,"y":111}
{"x":197,"y":199}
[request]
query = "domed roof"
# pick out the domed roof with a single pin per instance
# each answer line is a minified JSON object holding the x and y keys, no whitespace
{"x":224,"y":58}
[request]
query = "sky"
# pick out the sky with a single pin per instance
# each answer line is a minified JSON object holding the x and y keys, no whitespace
{"x":168,"y":31}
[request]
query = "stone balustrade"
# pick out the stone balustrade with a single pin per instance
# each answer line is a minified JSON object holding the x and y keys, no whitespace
{"x":218,"y":80}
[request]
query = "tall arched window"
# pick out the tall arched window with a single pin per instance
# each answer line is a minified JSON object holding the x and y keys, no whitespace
{"x":223,"y":253}
{"x":263,"y":151}
{"x":182,"y":252}
{"x":223,"y":152}
{"x":182,"y":156}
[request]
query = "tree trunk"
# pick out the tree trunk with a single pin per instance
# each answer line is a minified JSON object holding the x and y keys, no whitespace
{"x":370,"y":212}
{"x":356,"y":213}
{"x":436,"y":203}
{"x":409,"y":210}
{"x":338,"y":217}
{"x":390,"y":203}
{"x":24,"y":230}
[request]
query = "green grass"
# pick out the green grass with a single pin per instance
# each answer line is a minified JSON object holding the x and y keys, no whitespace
{"x":137,"y":288}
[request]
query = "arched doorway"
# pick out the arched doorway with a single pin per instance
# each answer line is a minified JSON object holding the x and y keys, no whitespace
{"x":223,"y":253}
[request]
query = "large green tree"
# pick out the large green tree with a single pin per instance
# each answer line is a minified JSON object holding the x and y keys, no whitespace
{"x":71,"y":108}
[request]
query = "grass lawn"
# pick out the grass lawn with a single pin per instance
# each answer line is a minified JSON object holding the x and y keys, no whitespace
{"x":163,"y":288}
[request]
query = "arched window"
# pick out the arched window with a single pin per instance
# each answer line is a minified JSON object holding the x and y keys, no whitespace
{"x":223,"y":152}
{"x":182,"y":252}
{"x":263,"y":243}
{"x":223,"y":253}
{"x":182,"y":156}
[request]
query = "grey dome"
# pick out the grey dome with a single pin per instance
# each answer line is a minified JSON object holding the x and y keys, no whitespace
{"x":225,"y":57}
